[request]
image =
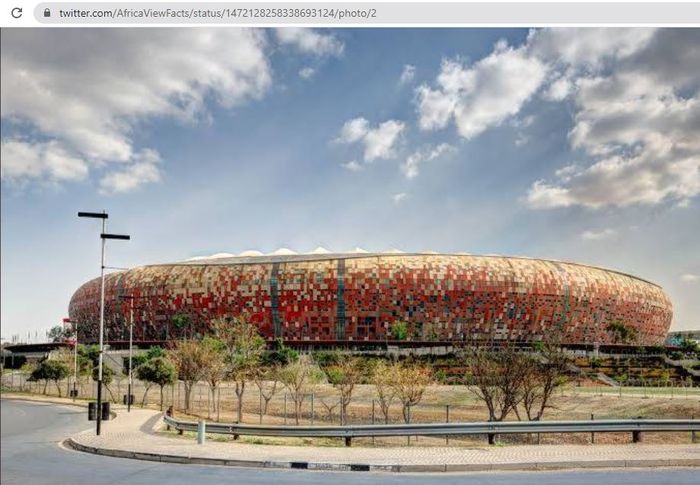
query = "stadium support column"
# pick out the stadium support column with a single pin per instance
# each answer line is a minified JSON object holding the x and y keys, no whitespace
{"x":275,"y":300}
{"x":340,"y":302}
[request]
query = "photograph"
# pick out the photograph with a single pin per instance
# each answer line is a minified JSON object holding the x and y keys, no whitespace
{"x":308,"y":242}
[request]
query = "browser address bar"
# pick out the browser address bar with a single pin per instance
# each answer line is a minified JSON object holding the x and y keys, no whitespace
{"x":367,"y":13}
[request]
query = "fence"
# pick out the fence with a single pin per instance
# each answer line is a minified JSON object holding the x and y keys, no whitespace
{"x":322,"y":406}
{"x":490,"y":429}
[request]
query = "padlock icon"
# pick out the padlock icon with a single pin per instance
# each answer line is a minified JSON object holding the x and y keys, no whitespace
{"x":47,"y":12}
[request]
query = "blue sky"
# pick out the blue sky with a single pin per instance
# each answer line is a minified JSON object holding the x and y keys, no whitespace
{"x":569,"y":144}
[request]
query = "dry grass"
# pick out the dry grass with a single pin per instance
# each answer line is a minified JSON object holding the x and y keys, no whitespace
{"x":573,"y":404}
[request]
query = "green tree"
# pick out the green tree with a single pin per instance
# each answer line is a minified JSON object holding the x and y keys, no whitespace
{"x":343,"y":376}
{"x":107,"y":378}
{"x":299,"y":377}
{"x":399,"y":330}
{"x":280,"y":354}
{"x":189,"y":357}
{"x":244,"y":348}
{"x":183,"y":323}
{"x":57,"y":333}
{"x":159,"y":371}
{"x":90,"y":352}
{"x":142,"y":358}
{"x":216,"y":369}
{"x":621,"y":333}
{"x":50,"y":370}
{"x":689,"y":346}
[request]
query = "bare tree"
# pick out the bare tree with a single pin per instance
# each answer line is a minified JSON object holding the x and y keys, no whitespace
{"x":383,"y":379}
{"x":266,"y":381}
{"x":244,"y":347}
{"x":545,"y":372}
{"x":190,"y":359}
{"x":496,"y":376}
{"x":343,"y":376}
{"x":329,"y":402}
{"x":409,"y":385}
{"x":299,"y":377}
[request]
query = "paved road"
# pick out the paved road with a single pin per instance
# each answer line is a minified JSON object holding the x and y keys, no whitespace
{"x":30,"y":455}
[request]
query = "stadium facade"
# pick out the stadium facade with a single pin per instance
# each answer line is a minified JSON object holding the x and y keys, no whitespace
{"x":358,"y":297}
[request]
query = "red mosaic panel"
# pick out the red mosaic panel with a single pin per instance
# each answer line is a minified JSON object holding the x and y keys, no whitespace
{"x":441,"y":297}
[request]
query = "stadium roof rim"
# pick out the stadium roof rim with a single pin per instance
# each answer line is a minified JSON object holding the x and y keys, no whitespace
{"x":269,"y":259}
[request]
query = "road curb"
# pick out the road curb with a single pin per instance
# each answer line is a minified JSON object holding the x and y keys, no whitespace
{"x":79,"y":404}
{"x":359,"y":467}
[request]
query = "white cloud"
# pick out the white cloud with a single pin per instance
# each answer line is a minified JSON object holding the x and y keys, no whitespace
{"x":559,"y":89}
{"x":598,"y":235}
{"x":145,"y":170}
{"x":690,"y":278}
{"x":586,"y":48}
{"x":310,"y":41}
{"x":379,"y":142}
{"x":411,"y":166}
{"x":637,"y":121}
{"x":407,"y":74}
{"x":399,"y":198}
{"x":543,"y":196}
{"x":23,"y":160}
{"x":352,"y":165}
{"x":480,"y":96}
{"x":90,"y":90}
{"x":307,"y":72}
{"x":353,"y":130}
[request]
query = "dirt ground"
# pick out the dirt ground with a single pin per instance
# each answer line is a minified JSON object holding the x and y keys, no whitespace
{"x":569,"y":403}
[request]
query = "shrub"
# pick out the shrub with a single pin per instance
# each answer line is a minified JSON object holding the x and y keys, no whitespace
{"x":399,"y":330}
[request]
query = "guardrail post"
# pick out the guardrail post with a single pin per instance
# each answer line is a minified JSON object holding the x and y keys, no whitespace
{"x":592,"y":434}
{"x":373,"y":422}
{"x":285,"y":409}
{"x":312,"y":409}
{"x":348,"y":441}
{"x":637,"y":435}
{"x":693,"y":434}
{"x":447,"y":420}
{"x":201,"y":430}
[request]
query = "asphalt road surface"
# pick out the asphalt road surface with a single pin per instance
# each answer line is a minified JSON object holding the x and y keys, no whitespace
{"x":30,"y":454}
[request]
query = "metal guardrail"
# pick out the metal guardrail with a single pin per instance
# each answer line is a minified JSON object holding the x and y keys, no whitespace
{"x":635,"y":426}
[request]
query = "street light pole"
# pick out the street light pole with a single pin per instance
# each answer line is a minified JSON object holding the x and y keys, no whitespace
{"x":131,"y":347}
{"x":131,"y":343}
{"x":102,"y":327}
{"x":75,"y":360}
{"x":103,"y":236}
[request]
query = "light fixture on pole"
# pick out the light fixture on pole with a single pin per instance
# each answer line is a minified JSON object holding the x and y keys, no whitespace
{"x":74,"y":331}
{"x":103,"y":236}
{"x":131,"y":345}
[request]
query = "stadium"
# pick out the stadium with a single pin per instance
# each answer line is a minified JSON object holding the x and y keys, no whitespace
{"x":358,"y":297}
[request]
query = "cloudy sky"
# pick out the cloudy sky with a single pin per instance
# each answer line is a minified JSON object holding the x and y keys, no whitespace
{"x":579,"y":145}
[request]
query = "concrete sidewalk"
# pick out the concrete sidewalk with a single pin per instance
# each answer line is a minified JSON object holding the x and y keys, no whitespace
{"x":135,"y":435}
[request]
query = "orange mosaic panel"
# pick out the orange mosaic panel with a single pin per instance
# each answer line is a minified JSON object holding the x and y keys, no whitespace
{"x":340,"y":297}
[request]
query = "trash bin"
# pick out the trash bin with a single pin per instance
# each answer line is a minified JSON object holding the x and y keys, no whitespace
{"x":92,"y":411}
{"x":131,"y":399}
{"x":105,"y":411}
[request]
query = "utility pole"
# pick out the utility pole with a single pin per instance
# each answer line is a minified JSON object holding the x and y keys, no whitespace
{"x":103,"y":238}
